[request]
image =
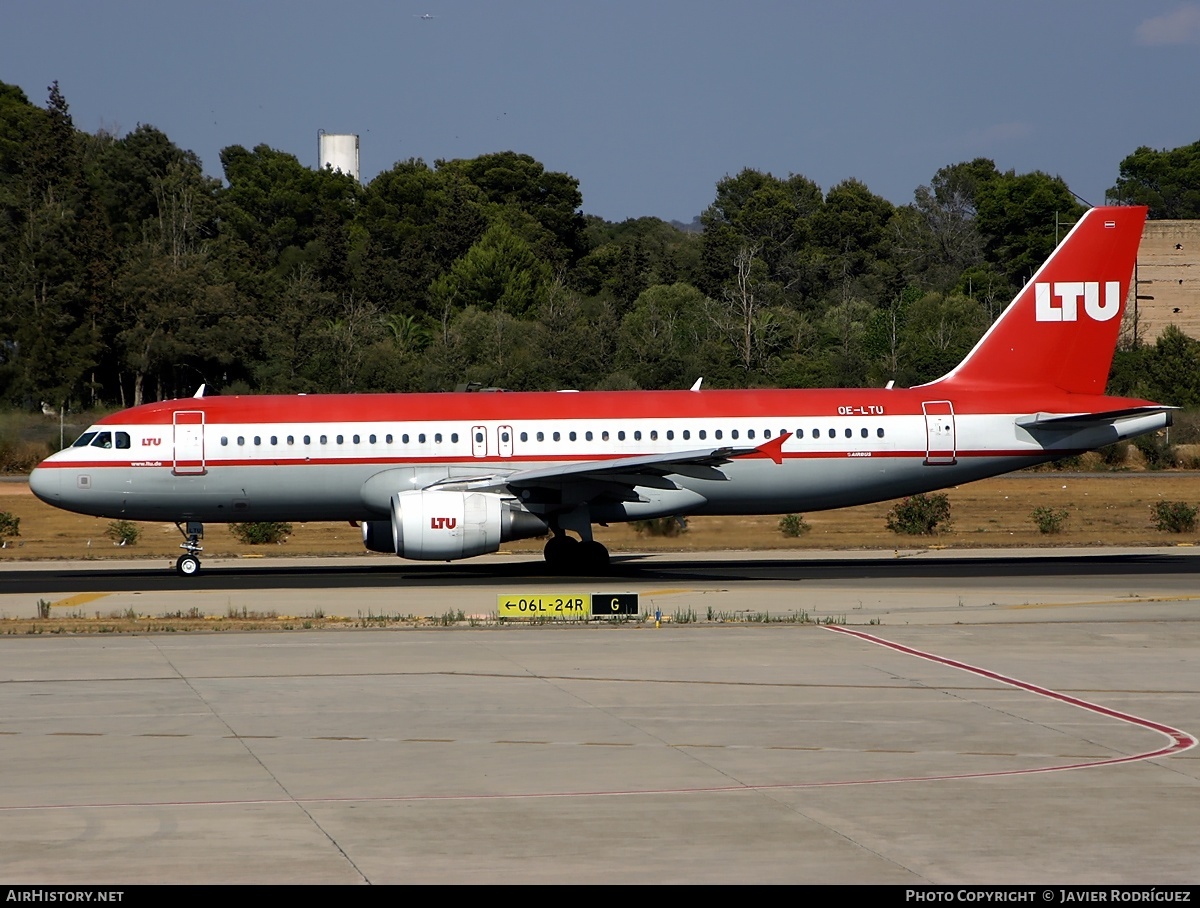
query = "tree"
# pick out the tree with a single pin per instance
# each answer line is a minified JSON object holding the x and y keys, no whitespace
{"x":775,"y":216}
{"x":500,"y":271}
{"x":937,"y":235}
{"x":552,"y":200}
{"x":666,"y":340}
{"x":1018,"y":216}
{"x":937,"y":333}
{"x":1168,"y":181}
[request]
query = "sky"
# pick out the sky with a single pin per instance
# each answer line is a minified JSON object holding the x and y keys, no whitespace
{"x":647,"y":104}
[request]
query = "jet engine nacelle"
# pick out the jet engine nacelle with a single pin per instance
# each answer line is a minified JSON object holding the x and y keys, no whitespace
{"x":377,"y":536}
{"x":442,"y":526}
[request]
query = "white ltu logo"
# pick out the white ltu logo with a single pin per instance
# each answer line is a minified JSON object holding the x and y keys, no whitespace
{"x":1069,"y":294}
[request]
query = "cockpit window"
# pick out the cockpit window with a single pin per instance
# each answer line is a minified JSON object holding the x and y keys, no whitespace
{"x":102,"y":440}
{"x":84,"y":440}
{"x":122,"y":440}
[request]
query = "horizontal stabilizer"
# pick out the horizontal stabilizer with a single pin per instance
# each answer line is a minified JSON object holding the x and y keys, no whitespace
{"x":1082,"y":420}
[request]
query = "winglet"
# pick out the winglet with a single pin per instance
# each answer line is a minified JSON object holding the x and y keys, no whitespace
{"x":772,"y":449}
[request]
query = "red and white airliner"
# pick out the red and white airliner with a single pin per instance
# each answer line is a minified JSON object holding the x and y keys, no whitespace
{"x":447,"y":476}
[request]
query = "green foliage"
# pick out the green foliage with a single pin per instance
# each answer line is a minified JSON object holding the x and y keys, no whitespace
{"x":10,"y":524}
{"x":261,"y":532}
{"x":1115,"y":455}
{"x":123,"y":532}
{"x":1156,"y":451}
{"x":661,"y":526}
{"x":1049,"y":520}
{"x":793,"y":525}
{"x":1168,"y":181}
{"x":1174,"y":516}
{"x":127,"y":274}
{"x":919,"y":515}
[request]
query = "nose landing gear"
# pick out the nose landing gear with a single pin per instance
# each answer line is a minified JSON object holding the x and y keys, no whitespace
{"x":188,"y":564}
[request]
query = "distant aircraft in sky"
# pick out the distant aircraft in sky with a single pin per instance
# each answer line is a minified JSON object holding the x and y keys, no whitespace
{"x":439,"y":477}
{"x":424,"y":16}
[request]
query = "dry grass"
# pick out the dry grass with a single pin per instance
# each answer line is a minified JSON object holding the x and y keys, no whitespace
{"x":1103,"y":509}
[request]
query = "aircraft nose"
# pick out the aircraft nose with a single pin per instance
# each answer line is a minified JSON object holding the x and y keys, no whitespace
{"x":46,"y":484}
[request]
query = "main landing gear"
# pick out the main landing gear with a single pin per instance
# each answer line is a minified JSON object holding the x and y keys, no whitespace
{"x":188,"y":564}
{"x":567,"y":555}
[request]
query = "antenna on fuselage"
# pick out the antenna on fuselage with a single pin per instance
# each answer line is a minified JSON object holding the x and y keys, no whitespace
{"x":696,"y":386}
{"x":200,"y":390}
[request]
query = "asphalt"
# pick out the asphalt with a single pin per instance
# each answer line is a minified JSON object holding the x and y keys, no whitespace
{"x":996,"y":718}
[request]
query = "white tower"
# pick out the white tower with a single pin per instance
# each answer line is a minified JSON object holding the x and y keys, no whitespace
{"x":338,"y":151}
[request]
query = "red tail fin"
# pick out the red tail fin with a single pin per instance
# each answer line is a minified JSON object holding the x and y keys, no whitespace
{"x":1061,"y":330}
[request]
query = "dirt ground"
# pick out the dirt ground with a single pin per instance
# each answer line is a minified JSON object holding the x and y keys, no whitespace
{"x":1104,"y":509}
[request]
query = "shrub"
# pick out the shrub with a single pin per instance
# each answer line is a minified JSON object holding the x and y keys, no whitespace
{"x":123,"y":532}
{"x":793,"y":525}
{"x":1174,"y":516}
{"x":919,"y":515}
{"x":1049,"y":520}
{"x":10,"y":525}
{"x":261,"y":533}
{"x":1115,"y":455}
{"x":1155,"y":450}
{"x":661,"y":526}
{"x":21,"y":456}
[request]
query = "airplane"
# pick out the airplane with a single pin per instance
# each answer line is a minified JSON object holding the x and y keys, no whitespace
{"x":446,"y":476}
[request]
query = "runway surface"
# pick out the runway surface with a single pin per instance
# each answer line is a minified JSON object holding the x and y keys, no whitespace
{"x":1025,"y":718}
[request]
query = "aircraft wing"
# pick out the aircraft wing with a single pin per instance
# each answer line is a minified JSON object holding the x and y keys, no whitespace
{"x":618,"y":477}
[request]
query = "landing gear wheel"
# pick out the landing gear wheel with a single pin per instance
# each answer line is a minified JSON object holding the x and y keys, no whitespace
{"x":187,"y":565}
{"x":591,"y":557}
{"x":560,"y":553}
